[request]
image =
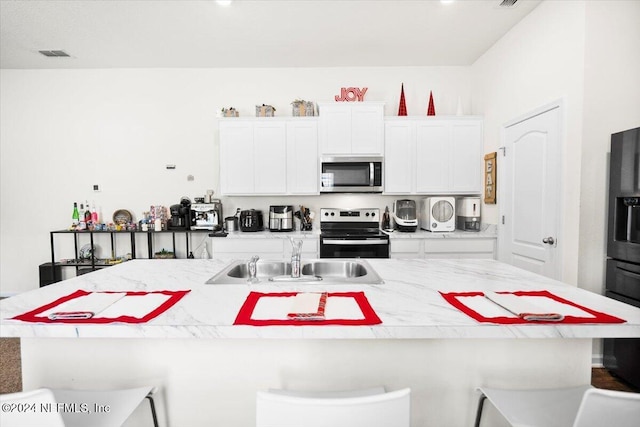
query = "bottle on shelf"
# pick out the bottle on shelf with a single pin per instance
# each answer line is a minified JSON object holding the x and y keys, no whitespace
{"x":75,"y":217}
{"x":82,"y":225}
{"x":94,"y":214}
{"x":87,"y":213}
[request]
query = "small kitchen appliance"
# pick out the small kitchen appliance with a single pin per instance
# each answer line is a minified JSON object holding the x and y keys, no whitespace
{"x":468,"y":213}
{"x":405,"y":215}
{"x":207,"y":216}
{"x":231,"y":224}
{"x":251,"y":220}
{"x":180,"y":215}
{"x":281,"y":218}
{"x":438,"y":213}
{"x":352,"y":233}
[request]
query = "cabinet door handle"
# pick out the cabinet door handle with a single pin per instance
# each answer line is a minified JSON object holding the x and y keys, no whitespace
{"x":549,"y":240}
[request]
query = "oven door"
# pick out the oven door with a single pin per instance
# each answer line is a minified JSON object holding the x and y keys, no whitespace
{"x":331,"y":247}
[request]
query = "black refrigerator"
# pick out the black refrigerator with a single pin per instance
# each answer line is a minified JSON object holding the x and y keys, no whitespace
{"x":622,"y":355}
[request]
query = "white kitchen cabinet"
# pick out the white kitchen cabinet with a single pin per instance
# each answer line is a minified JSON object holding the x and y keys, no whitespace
{"x":399,"y":169}
{"x":467,"y":158}
{"x":433,"y":155}
{"x":268,"y":156}
{"x":302,"y":157}
{"x":406,"y":248}
{"x":460,"y":248}
{"x":245,"y":248}
{"x":310,"y":249}
{"x":351,"y":128}
{"x":265,"y":248}
{"x":236,"y":158}
{"x":443,"y":247}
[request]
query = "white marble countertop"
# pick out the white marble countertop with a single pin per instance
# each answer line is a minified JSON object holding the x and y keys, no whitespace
{"x":487,"y":231}
{"x":408,"y":303}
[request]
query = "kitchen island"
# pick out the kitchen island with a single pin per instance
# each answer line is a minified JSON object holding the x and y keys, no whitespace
{"x":209,"y":369}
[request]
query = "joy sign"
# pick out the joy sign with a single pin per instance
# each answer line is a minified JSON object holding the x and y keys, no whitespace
{"x":351,"y":94}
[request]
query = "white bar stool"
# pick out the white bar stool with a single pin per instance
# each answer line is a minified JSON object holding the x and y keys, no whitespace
{"x":361,"y":408}
{"x":582,"y":406}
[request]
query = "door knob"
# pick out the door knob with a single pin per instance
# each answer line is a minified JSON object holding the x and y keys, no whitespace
{"x":549,"y":240}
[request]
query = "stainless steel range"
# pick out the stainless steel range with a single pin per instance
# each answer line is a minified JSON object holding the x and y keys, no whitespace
{"x":352,"y":233}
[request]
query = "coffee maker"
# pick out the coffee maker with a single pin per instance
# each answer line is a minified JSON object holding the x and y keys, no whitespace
{"x":468,"y":213}
{"x":207,"y":216}
{"x":180,"y":215}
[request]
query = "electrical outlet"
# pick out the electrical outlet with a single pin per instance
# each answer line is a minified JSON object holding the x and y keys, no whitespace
{"x":96,"y":188}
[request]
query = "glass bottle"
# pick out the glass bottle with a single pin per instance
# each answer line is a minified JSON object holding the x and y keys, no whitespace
{"x":75,"y":217}
{"x":87,"y":213}
{"x":82,"y":225}
{"x":94,"y":214}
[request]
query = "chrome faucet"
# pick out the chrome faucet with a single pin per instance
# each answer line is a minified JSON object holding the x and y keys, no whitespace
{"x":296,"y":249}
{"x":253,"y":269}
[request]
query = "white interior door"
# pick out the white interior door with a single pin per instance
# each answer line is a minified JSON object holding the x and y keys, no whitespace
{"x":530,"y":235}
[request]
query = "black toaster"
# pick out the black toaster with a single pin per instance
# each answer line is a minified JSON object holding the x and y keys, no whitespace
{"x":251,"y":220}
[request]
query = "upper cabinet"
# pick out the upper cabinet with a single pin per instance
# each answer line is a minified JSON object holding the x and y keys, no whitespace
{"x":433,"y":155}
{"x":351,"y":128}
{"x":268,"y":156}
{"x":302,"y":156}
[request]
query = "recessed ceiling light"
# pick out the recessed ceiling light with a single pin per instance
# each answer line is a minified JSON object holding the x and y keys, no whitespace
{"x":223,"y":2}
{"x":446,"y":1}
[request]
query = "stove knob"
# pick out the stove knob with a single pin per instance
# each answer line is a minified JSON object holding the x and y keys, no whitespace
{"x":373,"y":214}
{"x":326,"y":214}
{"x":367,"y":214}
{"x":333,"y":213}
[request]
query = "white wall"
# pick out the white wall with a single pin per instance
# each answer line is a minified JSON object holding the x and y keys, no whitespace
{"x":588,"y":55}
{"x":539,"y":61}
{"x":611,"y":104}
{"x":65,"y":130}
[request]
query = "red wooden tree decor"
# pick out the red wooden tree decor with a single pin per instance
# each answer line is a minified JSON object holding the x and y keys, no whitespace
{"x":402,"y":109}
{"x":431,"y":111}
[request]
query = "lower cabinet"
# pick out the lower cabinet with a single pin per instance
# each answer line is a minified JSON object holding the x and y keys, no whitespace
{"x":265,"y":248}
{"x":276,"y":248}
{"x":444,"y":248}
{"x":406,"y":248}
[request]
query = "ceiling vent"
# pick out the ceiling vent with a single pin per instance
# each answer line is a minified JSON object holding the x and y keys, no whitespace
{"x":508,"y":3}
{"x":55,"y":53}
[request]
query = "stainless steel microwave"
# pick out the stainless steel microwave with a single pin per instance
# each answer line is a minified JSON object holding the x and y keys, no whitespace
{"x":351,"y":174}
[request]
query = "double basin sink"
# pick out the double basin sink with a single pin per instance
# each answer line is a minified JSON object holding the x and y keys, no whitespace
{"x":330,"y":271}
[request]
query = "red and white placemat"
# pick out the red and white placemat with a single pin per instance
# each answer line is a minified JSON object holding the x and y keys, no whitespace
{"x":283,"y":308}
{"x":104,"y":307}
{"x":534,"y":307}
